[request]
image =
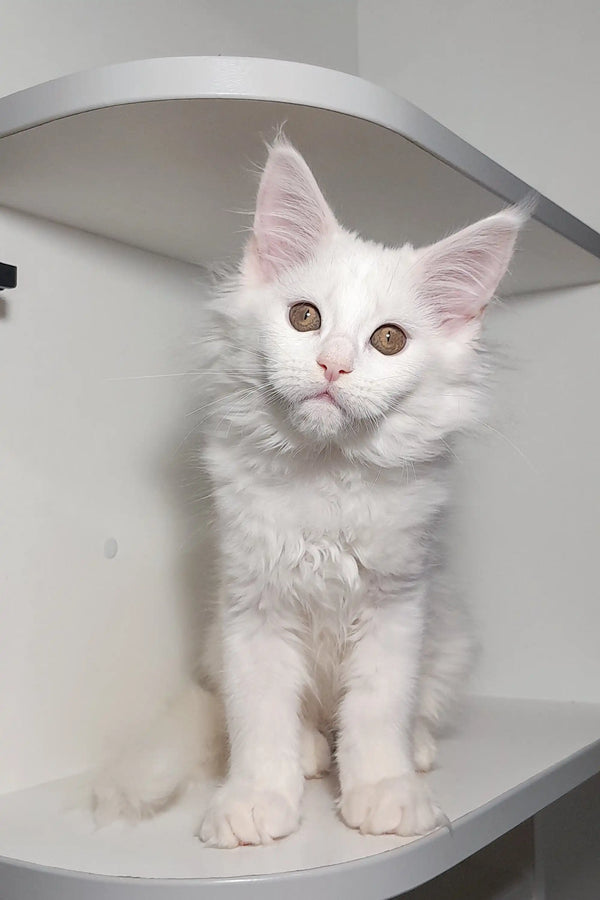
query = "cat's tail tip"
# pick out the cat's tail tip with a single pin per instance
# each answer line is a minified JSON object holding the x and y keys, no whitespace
{"x":185,"y":742}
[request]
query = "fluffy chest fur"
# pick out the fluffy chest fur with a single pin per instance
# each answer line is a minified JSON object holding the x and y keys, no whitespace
{"x":314,"y":537}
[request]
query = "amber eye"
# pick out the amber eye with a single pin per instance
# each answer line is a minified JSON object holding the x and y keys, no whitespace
{"x":305,"y":317}
{"x":388,"y":339}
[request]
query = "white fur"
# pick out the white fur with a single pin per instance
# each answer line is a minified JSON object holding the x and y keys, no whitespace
{"x":332,"y":624}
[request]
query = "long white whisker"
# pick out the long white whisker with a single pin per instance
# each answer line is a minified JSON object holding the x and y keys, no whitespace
{"x":169,"y":375}
{"x":511,"y":444}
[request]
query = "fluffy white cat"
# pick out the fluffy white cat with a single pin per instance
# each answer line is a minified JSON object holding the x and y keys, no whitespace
{"x":339,"y":373}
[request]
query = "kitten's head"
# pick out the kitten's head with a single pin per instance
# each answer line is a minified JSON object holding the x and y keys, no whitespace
{"x":371,"y":348}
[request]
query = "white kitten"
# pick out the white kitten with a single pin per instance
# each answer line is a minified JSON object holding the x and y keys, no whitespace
{"x":342,"y":371}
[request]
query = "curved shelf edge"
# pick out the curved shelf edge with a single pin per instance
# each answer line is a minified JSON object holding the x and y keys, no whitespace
{"x":371,"y":878}
{"x":179,"y":78}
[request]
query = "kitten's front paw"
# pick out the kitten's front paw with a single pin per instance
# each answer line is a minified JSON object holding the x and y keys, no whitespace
{"x":392,"y":806}
{"x":241,"y":814}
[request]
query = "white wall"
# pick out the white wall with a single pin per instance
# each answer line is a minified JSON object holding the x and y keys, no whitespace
{"x":42,"y":39}
{"x":527,"y":528}
{"x":520,"y":80}
{"x":89,"y":644}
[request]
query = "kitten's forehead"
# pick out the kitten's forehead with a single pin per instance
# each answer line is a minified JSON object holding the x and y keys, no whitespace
{"x":358,"y":281}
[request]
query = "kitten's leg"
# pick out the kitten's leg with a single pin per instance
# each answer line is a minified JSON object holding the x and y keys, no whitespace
{"x":315,"y":755}
{"x":263,"y":678}
{"x":380,"y":792}
{"x":449,"y":653}
{"x":424,"y":745}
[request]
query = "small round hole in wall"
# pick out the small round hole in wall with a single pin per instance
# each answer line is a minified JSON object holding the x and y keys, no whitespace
{"x":111,"y":548}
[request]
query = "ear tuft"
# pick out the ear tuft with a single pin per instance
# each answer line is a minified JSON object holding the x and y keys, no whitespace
{"x":458,"y":276}
{"x":292,"y":216}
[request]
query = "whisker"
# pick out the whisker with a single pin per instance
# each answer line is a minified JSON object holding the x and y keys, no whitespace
{"x":168,"y":375}
{"x":510,"y":444}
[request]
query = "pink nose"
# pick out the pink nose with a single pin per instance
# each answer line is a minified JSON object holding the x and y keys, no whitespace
{"x":332,"y":370}
{"x":336,"y":358}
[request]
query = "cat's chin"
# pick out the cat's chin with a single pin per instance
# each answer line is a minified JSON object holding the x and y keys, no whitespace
{"x":319,"y":417}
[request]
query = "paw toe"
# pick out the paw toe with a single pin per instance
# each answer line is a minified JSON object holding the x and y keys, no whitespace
{"x":247,"y":816}
{"x":392,"y":806}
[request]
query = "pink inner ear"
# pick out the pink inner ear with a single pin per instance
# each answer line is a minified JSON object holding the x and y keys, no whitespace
{"x":458,"y":276}
{"x":291,"y":215}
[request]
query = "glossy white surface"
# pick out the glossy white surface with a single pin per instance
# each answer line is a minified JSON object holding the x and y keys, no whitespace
{"x":160,"y":154}
{"x":504,"y":749}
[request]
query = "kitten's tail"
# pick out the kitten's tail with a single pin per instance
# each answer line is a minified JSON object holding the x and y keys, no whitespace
{"x":186,"y":740}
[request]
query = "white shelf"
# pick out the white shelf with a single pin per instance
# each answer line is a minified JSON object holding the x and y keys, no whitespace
{"x":510,"y":759}
{"x":91,"y":151}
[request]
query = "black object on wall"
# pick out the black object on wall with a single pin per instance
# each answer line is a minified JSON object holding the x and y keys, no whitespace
{"x":8,"y":276}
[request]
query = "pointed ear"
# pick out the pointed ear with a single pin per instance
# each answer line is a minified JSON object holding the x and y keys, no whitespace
{"x":291,"y":217}
{"x":458,"y":276}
